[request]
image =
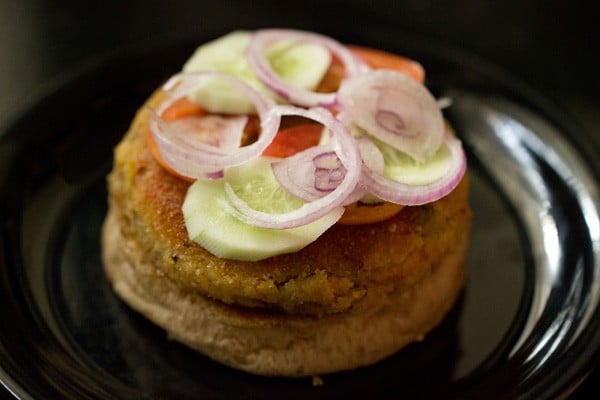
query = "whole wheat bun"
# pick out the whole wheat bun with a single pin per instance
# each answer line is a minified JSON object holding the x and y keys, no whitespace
{"x":271,"y":342}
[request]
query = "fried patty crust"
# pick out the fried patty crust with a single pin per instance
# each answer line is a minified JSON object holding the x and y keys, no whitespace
{"x":360,"y":268}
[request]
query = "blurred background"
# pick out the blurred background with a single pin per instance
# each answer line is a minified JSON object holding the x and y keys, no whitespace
{"x":551,"y":45}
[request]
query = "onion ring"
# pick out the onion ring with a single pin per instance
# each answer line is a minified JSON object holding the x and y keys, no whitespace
{"x":415,"y":195}
{"x":261,"y":39}
{"x":297,"y":173}
{"x":174,"y":147}
{"x":395,"y":109}
{"x":348,"y":154}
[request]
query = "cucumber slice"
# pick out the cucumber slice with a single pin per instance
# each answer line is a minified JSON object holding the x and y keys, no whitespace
{"x":301,"y":64}
{"x":225,"y":54}
{"x":404,"y":169}
{"x":210,"y":224}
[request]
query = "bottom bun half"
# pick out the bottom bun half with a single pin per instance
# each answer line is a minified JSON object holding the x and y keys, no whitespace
{"x":273,"y":343}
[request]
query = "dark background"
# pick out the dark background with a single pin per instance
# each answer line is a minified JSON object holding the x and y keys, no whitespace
{"x":552,"y":45}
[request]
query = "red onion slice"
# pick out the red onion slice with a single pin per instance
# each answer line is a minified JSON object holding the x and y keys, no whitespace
{"x":262,"y":39}
{"x":223,"y":133}
{"x":299,"y":174}
{"x":296,"y":173}
{"x":414,"y":195}
{"x":373,"y":160}
{"x":329,"y":171}
{"x":395,"y":109}
{"x":190,"y":169}
{"x":220,"y":132}
{"x":174,"y":147}
{"x":346,"y":151}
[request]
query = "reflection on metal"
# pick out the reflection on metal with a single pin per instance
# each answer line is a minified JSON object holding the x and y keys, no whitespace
{"x":531,"y":162}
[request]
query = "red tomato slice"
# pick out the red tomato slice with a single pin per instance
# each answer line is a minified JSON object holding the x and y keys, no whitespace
{"x":360,"y":214}
{"x":383,"y":60}
{"x":182,"y":108}
{"x":292,"y":140}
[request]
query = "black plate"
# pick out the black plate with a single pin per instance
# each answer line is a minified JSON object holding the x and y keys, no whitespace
{"x":527,"y":325}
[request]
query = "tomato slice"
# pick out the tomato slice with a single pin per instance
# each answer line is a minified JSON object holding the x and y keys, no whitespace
{"x":292,"y":140}
{"x":185,"y":108}
{"x":182,"y":108}
{"x":153,"y":147}
{"x":361,"y":214}
{"x":380,"y":59}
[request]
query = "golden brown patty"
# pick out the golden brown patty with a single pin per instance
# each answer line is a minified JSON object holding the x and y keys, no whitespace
{"x":359,"y":267}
